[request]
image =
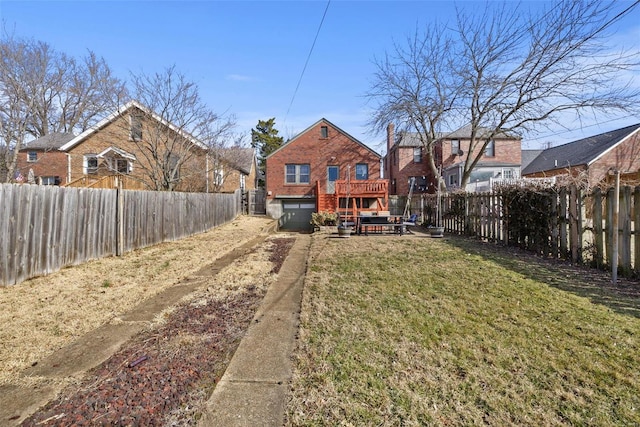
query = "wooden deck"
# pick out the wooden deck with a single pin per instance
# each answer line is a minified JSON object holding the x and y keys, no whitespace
{"x":351,"y":198}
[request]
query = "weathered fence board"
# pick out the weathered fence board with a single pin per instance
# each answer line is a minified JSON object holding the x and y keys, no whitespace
{"x":579,"y":226}
{"x":45,"y":228}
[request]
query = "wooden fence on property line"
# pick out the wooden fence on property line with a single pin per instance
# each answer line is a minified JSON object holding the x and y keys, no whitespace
{"x":45,"y":228}
{"x":565,"y":223}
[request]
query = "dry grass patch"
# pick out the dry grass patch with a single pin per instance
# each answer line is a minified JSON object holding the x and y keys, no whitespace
{"x":42,"y":315}
{"x":418,"y":331}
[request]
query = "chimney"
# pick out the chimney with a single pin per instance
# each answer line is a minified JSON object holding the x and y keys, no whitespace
{"x":390,"y":136}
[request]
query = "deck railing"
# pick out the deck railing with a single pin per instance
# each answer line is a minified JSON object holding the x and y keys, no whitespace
{"x":362,"y":188}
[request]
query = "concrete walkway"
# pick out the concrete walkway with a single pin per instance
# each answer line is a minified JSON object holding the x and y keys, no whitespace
{"x":253,"y":389}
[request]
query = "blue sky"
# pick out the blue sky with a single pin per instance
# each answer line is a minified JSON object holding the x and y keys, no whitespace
{"x":247,"y":56}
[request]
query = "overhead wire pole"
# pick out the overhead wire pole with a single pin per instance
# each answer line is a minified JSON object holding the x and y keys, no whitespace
{"x":295,"y":92}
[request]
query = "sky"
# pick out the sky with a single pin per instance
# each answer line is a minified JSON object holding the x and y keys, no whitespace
{"x":248,"y":57}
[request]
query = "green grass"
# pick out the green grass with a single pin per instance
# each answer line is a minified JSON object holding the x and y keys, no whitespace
{"x":418,"y":331}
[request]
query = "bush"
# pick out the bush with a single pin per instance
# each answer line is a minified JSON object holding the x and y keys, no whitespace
{"x":323,"y":218}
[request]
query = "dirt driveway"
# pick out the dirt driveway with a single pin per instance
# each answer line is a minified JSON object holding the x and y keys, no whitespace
{"x":45,"y":314}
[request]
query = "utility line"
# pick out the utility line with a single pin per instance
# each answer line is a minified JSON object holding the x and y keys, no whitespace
{"x":306,"y":62}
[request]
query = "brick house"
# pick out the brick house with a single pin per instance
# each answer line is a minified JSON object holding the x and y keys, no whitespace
{"x":406,"y":159}
{"x":42,"y":159}
{"x":590,"y":159}
{"x":322,"y":169}
{"x":116,"y":147}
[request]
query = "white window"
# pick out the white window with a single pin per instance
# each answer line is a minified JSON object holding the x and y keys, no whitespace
{"x":362,"y":171}
{"x":453,"y":180}
{"x":417,"y":155}
{"x":122,"y":166}
{"x":455,"y":147}
{"x":218,"y":177}
{"x":297,"y":174}
{"x":49,"y":180}
{"x":324,"y":132}
{"x":135,"y":131}
{"x":90,"y":164}
{"x":490,"y":150}
{"x":32,"y":156}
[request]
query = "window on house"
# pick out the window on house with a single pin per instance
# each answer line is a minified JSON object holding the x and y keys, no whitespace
{"x":417,"y":155}
{"x":420,"y":183}
{"x":49,"y":180}
{"x":135,"y":131}
{"x":32,"y":156}
{"x":122,"y":166}
{"x":297,"y":174}
{"x":362,"y":171}
{"x":324,"y":132}
{"x":455,"y":146}
{"x":490,"y":150}
{"x":173,"y":165}
{"x":90,"y":164}
{"x":508,"y":174}
{"x":218,"y":177}
{"x":453,"y":180}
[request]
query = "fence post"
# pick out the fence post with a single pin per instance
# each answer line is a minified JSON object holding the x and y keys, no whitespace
{"x":598,"y":239}
{"x":574,"y":224}
{"x":119,"y":220}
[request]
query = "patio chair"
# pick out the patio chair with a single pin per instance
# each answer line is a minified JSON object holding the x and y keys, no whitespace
{"x":410,"y":222}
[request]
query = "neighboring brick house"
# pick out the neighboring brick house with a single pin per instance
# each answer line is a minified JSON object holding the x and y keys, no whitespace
{"x":406,"y":158}
{"x":42,"y":160}
{"x":311,"y":171}
{"x":590,"y":159}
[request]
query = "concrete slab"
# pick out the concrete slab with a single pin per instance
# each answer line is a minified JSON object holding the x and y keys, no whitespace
{"x":17,"y":403}
{"x":264,"y":355}
{"x":246,"y":405}
{"x":87,"y":352}
{"x":253,"y":389}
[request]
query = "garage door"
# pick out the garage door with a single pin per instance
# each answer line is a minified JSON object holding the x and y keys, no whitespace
{"x":296,"y":216}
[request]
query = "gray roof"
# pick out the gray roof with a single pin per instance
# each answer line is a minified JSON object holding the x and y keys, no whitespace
{"x":52,"y":141}
{"x":412,"y":139}
{"x":240,"y":158}
{"x":581,"y":152}
{"x":529,"y":156}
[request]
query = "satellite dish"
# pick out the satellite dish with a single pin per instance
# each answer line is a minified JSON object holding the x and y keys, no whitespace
{"x":460,"y":152}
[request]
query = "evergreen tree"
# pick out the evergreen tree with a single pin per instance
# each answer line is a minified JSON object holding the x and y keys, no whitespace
{"x":265,"y":139}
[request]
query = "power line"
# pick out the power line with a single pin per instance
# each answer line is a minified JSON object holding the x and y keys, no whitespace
{"x":295,"y":92}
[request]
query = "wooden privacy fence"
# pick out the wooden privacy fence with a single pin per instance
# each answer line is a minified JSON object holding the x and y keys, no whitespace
{"x":555,"y":222}
{"x":45,"y":228}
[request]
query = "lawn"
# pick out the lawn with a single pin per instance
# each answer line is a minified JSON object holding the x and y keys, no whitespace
{"x":401,"y":331}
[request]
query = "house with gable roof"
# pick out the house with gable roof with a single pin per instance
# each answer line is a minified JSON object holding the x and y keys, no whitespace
{"x":235,"y":169}
{"x":323,"y":168}
{"x":590,"y":159}
{"x":128,"y":144}
{"x":42,"y":160}
{"x":406,"y":159}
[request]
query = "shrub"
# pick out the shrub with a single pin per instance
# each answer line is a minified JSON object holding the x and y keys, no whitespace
{"x":323,"y":218}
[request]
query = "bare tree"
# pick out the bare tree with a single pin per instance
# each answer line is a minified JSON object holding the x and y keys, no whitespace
{"x":182,"y":133}
{"x":413,"y":87}
{"x":43,"y":91}
{"x":516,"y":78}
{"x":513,"y":73}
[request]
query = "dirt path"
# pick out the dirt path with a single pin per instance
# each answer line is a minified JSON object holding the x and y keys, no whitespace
{"x":118,"y":285}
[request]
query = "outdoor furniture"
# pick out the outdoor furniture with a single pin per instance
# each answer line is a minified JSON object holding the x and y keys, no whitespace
{"x":411,"y":221}
{"x":380,"y":223}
